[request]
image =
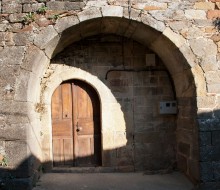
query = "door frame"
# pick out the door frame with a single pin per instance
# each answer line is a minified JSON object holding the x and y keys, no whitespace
{"x":110,"y":114}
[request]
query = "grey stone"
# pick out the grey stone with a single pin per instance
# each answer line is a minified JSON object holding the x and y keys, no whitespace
{"x":45,"y":36}
{"x":17,"y":17}
{"x":13,"y":131}
{"x":112,"y":11}
{"x":210,"y":124}
{"x":11,"y":6}
{"x":16,"y":152}
{"x":209,"y":153}
{"x":21,"y":39}
{"x":206,"y":171}
{"x":195,"y":14}
{"x":203,"y":47}
{"x":54,"y":5}
{"x":88,"y":14}
{"x":215,"y":138}
{"x":184,"y":148}
{"x":12,"y":55}
{"x":65,"y":23}
{"x":32,"y":7}
{"x":216,"y":168}
{"x":205,"y":138}
{"x":3,"y":27}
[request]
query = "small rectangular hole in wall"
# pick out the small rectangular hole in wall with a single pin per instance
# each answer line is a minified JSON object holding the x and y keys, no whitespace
{"x":168,"y":107}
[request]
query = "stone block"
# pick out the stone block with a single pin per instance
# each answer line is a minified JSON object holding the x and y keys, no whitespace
{"x":209,"y":63}
{"x":16,"y":152}
{"x":3,"y":27}
{"x":211,"y":124}
{"x":213,"y":88}
{"x":14,"y":56}
{"x":56,"y":5}
{"x":11,"y":6}
{"x":13,"y":131}
{"x":206,"y":171}
{"x":182,"y":163}
{"x":194,"y":170}
{"x":195,"y":14}
{"x":112,"y":11}
{"x":211,"y":14}
{"x":212,"y":77}
{"x":206,"y":102}
{"x":216,"y":138}
{"x":65,"y":23}
{"x":209,"y":185}
{"x":88,"y":14}
{"x":210,"y":153}
{"x":204,"y":5}
{"x":184,"y":148}
{"x":205,"y":138}
{"x":32,"y":7}
{"x":16,"y":17}
{"x":216,"y":170}
{"x":45,"y":36}
{"x":201,"y":45}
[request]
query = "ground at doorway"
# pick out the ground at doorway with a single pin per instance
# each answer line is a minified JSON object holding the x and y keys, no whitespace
{"x":113,"y":181}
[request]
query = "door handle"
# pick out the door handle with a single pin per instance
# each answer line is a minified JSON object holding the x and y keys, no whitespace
{"x":78,"y":128}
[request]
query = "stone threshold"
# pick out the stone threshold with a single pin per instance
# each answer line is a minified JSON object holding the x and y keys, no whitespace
{"x":91,"y":169}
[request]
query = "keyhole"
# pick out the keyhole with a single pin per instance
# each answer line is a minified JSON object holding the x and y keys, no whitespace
{"x":66,"y":115}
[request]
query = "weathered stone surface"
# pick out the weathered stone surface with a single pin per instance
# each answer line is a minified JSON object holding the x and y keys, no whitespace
{"x":88,"y":14}
{"x":200,"y":47}
{"x":11,"y":6}
{"x":204,"y":5}
{"x":174,"y":37}
{"x":216,"y":138}
{"x":206,"y":171}
{"x":209,"y":153}
{"x":216,"y":168}
{"x":32,"y":7}
{"x":195,"y":14}
{"x":205,"y":138}
{"x":211,"y":14}
{"x":115,"y":11}
{"x":19,"y":17}
{"x":56,"y":5}
{"x":45,"y":36}
{"x":12,"y":55}
{"x":66,"y":22}
{"x":149,"y":6}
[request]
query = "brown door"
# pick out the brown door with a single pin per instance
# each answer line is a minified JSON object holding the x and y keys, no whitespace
{"x":76,"y":125}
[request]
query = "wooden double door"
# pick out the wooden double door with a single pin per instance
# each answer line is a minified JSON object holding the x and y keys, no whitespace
{"x":76,"y":130}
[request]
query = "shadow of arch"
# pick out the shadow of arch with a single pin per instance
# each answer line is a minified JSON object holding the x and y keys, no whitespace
{"x":177,"y":57}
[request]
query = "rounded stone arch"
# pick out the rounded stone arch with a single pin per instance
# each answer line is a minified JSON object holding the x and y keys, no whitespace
{"x":172,"y":48}
{"x":109,"y":107}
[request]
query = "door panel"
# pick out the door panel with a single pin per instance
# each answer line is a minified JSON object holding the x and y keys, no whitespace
{"x":76,"y":125}
{"x":62,"y":125}
{"x":86,"y":119}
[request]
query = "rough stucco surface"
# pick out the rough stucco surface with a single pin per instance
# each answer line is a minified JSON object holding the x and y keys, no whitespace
{"x":29,"y":40}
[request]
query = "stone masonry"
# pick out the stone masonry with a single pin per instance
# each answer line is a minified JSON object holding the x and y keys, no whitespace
{"x":43,"y":43}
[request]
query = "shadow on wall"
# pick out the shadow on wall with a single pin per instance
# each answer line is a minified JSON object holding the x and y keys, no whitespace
{"x":24,"y":176}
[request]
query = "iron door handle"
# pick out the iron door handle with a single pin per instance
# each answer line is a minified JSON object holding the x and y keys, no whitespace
{"x":78,"y":128}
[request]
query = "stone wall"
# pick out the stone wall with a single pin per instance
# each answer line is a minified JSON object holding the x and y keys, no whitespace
{"x":181,"y":33}
{"x":121,"y":64}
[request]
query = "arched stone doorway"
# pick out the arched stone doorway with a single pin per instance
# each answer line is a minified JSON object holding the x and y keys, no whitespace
{"x":174,"y":52}
{"x":76,"y":127}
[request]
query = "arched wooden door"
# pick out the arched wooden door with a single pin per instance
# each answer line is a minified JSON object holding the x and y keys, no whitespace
{"x":76,"y":125}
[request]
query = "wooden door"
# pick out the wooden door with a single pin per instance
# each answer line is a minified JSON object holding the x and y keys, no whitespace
{"x":76,"y":125}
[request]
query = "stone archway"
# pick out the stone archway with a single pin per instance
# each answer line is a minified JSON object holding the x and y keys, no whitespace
{"x":177,"y":57}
